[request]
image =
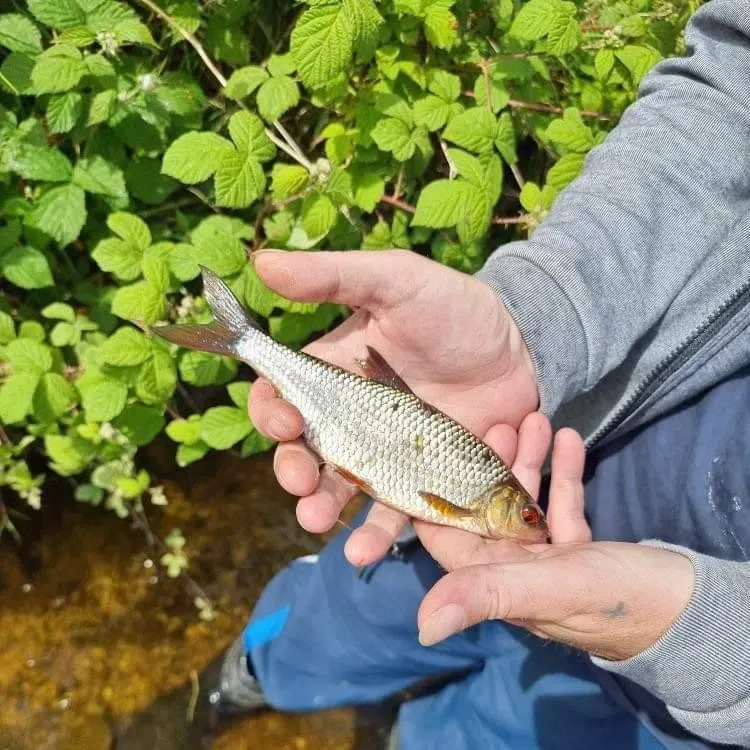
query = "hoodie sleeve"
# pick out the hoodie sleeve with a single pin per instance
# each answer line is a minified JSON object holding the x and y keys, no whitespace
{"x":652,"y":236}
{"x":699,"y":667}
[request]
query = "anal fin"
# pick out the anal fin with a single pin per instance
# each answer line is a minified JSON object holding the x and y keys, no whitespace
{"x":444,"y":507}
{"x":355,"y":480}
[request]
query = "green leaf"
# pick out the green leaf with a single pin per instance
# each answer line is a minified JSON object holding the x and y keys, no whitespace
{"x":475,"y":130}
{"x":638,"y":60}
{"x":60,"y":213}
{"x":604,"y":62}
{"x":102,"y":107}
{"x":58,"y":68}
{"x":368,"y":189}
{"x":224,"y":426}
{"x":201,"y":369}
{"x":64,"y":111}
{"x":288,"y":180}
{"x":59,"y":311}
{"x":318,"y":215}
{"x":64,"y":334}
{"x":469,"y":167}
{"x":59,"y":14}
{"x":182,"y":262}
{"x":15,"y":73}
{"x":322,"y":43}
{"x":122,"y":259}
{"x":7,"y":328}
{"x":276,"y":96}
{"x":281,"y":65}
{"x":185,"y":430}
{"x":34,"y":162}
{"x":130,"y":30}
{"x":19,"y":34}
{"x":16,"y":396}
{"x":102,"y":399}
{"x":218,"y":245}
{"x":240,"y":180}
{"x":188,"y":454}
{"x":65,"y":454}
{"x":433,"y":112}
{"x":570,"y":132}
{"x":445,"y":85}
{"x":255,"y":443}
{"x":194,"y":157}
{"x":239,"y":392}
{"x":249,"y":134}
{"x":130,"y":228}
{"x":534,"y":20}
{"x":498,"y":94}
{"x":442,"y":204}
{"x":155,"y":268}
{"x":157,"y":378}
{"x":97,"y":175}
{"x":146,"y":182}
{"x":32,"y":330}
{"x":244,"y":81}
{"x":78,"y":36}
{"x":53,"y":397}
{"x":126,"y":347}
{"x":565,"y":170}
{"x":26,"y":267}
{"x":140,"y":301}
{"x":564,"y":33}
{"x":140,"y":424}
{"x":505,"y":142}
{"x":26,"y":354}
{"x":441,"y":26}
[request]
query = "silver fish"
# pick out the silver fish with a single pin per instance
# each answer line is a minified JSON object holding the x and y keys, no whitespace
{"x":374,"y":430}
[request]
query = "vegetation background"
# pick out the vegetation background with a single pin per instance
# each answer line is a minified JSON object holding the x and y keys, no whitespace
{"x":139,"y":139}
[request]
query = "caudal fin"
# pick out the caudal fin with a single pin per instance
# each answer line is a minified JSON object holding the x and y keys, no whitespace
{"x":222,"y":336}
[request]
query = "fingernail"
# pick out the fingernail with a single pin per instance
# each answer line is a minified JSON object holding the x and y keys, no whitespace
{"x":447,"y":621}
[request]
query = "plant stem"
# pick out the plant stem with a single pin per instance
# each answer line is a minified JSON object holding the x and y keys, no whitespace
{"x":398,"y":203}
{"x":551,"y":108}
{"x":508,"y":220}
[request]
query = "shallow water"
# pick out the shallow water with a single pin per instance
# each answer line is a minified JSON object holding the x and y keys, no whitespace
{"x":102,"y":651}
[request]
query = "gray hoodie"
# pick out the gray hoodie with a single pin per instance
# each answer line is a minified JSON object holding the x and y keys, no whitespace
{"x":634,"y":295}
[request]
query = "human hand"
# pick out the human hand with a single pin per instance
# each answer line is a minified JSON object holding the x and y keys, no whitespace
{"x":611,"y":599}
{"x":446,"y":333}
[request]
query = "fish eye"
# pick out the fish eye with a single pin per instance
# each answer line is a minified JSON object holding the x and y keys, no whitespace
{"x":531,"y":515}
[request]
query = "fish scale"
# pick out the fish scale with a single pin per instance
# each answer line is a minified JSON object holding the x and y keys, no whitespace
{"x":401,"y":450}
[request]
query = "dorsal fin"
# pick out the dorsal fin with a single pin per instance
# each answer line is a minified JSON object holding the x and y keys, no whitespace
{"x":377,"y":368}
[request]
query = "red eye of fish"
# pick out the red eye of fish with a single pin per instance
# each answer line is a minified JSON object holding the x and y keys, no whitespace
{"x":531,"y":515}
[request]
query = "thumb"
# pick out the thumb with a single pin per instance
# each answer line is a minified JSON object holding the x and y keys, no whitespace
{"x":369,"y":279}
{"x":512,"y":591}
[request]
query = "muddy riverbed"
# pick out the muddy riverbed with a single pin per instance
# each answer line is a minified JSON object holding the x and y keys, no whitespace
{"x":102,"y":651}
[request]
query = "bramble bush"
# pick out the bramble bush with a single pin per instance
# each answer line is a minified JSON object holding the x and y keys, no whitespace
{"x":138,"y":140}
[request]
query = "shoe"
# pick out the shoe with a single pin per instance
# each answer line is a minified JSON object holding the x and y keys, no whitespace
{"x":238,"y":691}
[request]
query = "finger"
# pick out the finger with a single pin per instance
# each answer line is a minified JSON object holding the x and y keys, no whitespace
{"x":503,"y":439}
{"x":296,"y":468}
{"x":566,"y":498}
{"x":272,"y":416}
{"x":318,"y":513}
{"x":372,"y":540}
{"x":534,"y":438}
{"x":540,"y":589}
{"x":356,"y":278}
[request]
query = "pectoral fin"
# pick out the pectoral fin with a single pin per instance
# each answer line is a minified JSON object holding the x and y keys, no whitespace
{"x":377,"y":368}
{"x":446,"y":508}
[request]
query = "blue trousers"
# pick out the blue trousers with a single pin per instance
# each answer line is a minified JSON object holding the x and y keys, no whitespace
{"x":322,"y":637}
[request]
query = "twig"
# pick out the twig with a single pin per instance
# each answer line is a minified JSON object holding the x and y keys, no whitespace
{"x":4,"y":436}
{"x":202,"y":198}
{"x":188,"y":400}
{"x":398,"y":203}
{"x":294,"y":152}
{"x":487,"y":85}
{"x":166,"y":207}
{"x":508,"y":220}
{"x":536,"y":107}
{"x":194,"y":693}
{"x":452,"y":170}
{"x":517,"y":175}
{"x":399,"y":183}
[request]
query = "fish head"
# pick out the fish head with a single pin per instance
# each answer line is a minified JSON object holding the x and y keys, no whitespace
{"x":511,"y":513}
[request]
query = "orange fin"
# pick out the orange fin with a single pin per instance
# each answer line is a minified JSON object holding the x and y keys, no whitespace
{"x":352,"y":479}
{"x":377,"y":368}
{"x":445,"y":507}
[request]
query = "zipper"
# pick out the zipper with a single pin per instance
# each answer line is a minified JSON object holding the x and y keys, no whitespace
{"x":669,"y":365}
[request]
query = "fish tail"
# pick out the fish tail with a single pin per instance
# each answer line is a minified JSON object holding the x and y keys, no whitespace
{"x":222,"y":336}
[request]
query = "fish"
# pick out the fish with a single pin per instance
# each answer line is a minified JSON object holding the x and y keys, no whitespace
{"x":373,"y":430}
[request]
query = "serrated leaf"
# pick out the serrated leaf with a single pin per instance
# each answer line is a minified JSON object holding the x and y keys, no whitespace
{"x":531,"y":196}
{"x":571,"y":132}
{"x":97,"y":175}
{"x":281,"y":65}
{"x":120,"y":258}
{"x":498,"y":94}
{"x":26,"y":267}
{"x":368,"y":189}
{"x":182,"y":262}
{"x":244,"y":81}
{"x":322,"y":43}
{"x":157,"y":378}
{"x":60,"y":213}
{"x":155,"y":268}
{"x":194,"y":157}
{"x":102,"y":399}
{"x":140,"y":424}
{"x":255,"y":443}
{"x":444,"y":85}
{"x":64,"y":111}
{"x":505,"y":141}
{"x":201,"y":369}
{"x":186,"y":431}
{"x":63,"y":451}
{"x":224,"y":426}
{"x":15,"y":73}
{"x":58,"y":68}
{"x":565,"y":170}
{"x":432,"y":112}
{"x":604,"y":62}
{"x":276,"y":96}
{"x":249,"y":134}
{"x":638,"y":60}
{"x":475,"y":130}
{"x":140,"y":301}
{"x":32,"y":330}
{"x":131,"y":30}
{"x":188,"y":454}
{"x":64,"y":334}
{"x":16,"y":397}
{"x":288,"y":180}
{"x":218,"y":245}
{"x":564,"y":31}
{"x":78,"y":36}
{"x":26,"y":354}
{"x":394,"y":135}
{"x":239,"y":180}
{"x":318,"y":215}
{"x":34,"y":162}
{"x":126,"y":347}
{"x":7,"y":328}
{"x":19,"y":34}
{"x":469,"y":167}
{"x":441,"y":27}
{"x":102,"y":107}
{"x":60,"y":14}
{"x":534,"y":19}
{"x":239,"y":392}
{"x":53,"y":397}
{"x":146,"y":182}
{"x":130,"y":228}
{"x":442,"y":204}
